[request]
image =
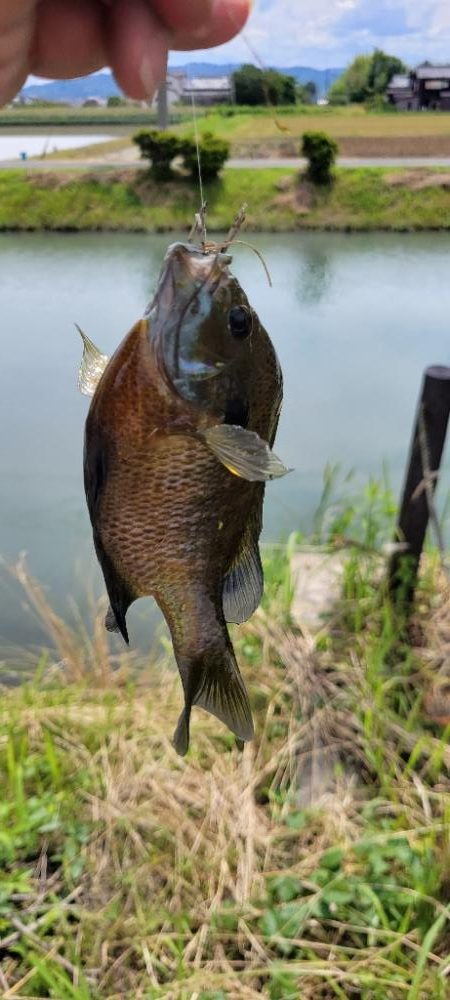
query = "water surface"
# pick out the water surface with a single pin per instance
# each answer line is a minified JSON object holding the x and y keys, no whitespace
{"x":355,"y":320}
{"x":12,"y":147}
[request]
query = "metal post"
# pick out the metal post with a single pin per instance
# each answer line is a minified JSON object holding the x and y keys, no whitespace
{"x":163,"y":113}
{"x":431,"y":423}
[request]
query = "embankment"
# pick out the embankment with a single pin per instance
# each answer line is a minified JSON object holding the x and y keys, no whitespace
{"x":278,"y":200}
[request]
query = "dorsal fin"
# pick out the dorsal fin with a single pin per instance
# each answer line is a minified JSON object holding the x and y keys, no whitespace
{"x":93,"y":364}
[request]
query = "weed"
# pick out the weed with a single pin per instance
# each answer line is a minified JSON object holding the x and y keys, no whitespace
{"x":127,"y":872}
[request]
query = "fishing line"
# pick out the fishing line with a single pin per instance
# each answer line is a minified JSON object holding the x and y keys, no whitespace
{"x":253,"y":52}
{"x":202,"y":214}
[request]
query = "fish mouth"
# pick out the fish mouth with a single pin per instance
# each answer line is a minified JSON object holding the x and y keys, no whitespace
{"x":187,"y":264}
{"x":189,"y":279}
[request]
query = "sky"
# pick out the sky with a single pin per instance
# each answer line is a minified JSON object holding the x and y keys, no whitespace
{"x":327,"y":33}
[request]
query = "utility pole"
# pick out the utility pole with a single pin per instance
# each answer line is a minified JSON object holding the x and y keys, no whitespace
{"x":163,"y":107}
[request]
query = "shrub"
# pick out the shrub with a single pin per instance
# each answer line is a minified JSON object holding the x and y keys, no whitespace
{"x":115,"y":101}
{"x":214,"y":153}
{"x":160,"y":148}
{"x":320,"y":151}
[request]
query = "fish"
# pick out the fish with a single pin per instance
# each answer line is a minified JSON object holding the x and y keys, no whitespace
{"x":177,"y":452}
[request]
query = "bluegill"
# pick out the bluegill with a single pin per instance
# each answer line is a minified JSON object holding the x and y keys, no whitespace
{"x":177,"y":453}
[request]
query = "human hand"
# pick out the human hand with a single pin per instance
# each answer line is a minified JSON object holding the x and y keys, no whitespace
{"x":66,"y":38}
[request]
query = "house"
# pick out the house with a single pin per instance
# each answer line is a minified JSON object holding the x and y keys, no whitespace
{"x":207,"y":90}
{"x":175,"y":82}
{"x":425,"y":88}
{"x":401,"y":93}
{"x":94,"y":102}
{"x":432,"y":85}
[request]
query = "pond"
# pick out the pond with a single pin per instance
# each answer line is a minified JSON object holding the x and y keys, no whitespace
{"x":355,"y":320}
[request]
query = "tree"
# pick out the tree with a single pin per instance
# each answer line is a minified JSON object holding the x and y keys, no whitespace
{"x":115,"y":101}
{"x":255,"y":86}
{"x":383,"y":68}
{"x":366,"y":78}
{"x":320,"y":151}
{"x":353,"y":86}
{"x":307,"y":92}
{"x":248,"y":85}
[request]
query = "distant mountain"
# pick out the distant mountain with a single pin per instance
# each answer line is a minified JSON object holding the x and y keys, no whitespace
{"x":75,"y":91}
{"x":323,"y":78}
{"x":103,"y":84}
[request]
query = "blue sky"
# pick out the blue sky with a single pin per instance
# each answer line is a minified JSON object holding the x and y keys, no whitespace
{"x":327,"y":33}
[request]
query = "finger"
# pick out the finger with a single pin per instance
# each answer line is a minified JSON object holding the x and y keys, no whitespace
{"x":180,"y":15}
{"x":16,"y":33}
{"x":138,"y":48}
{"x":69,"y":39}
{"x":229,"y":17}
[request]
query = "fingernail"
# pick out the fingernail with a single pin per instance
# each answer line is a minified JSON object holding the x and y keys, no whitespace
{"x":147,"y":76}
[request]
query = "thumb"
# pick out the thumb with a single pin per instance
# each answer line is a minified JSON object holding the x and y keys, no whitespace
{"x":17,"y":23}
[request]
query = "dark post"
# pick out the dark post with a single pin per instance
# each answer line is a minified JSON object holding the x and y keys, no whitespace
{"x":430,"y":431}
{"x":163,"y":110}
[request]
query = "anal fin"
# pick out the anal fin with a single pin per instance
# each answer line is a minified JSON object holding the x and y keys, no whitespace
{"x":111,"y":624}
{"x":244,"y":585}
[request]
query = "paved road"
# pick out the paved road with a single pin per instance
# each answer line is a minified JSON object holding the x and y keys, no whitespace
{"x":347,"y":162}
{"x":351,"y":162}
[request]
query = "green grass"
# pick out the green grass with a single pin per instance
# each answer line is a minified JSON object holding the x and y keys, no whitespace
{"x":340,"y":122}
{"x":129,"y":873}
{"x":267,"y":131}
{"x":372,"y":198}
{"x":127,"y":200}
{"x":58,"y":116}
{"x":99,"y":201}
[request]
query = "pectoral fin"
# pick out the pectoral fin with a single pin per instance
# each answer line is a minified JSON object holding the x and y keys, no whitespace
{"x":244,"y":453}
{"x":92,"y":366}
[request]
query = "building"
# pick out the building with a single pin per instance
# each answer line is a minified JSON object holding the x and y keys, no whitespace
{"x":401,"y":93}
{"x":425,"y":88}
{"x":95,"y":102}
{"x":432,"y":86}
{"x":207,"y":90}
{"x":175,"y":82}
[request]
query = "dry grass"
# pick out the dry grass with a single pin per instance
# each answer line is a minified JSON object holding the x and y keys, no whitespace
{"x":228,"y":874}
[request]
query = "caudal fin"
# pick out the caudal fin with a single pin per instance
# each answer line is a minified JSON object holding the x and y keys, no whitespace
{"x":213,"y":682}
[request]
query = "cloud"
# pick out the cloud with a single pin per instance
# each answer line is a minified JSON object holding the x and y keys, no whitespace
{"x":324,"y":33}
{"x":382,"y":20}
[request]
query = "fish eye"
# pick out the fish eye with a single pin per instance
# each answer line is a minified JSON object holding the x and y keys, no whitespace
{"x":240,"y":322}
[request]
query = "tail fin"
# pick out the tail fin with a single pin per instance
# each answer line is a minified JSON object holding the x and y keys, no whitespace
{"x":213,"y":682}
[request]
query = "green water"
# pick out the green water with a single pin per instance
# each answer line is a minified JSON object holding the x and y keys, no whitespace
{"x":355,"y":320}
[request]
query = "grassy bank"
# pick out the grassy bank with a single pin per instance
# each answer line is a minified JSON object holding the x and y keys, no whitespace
{"x":279,"y":201}
{"x":315,"y":865}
